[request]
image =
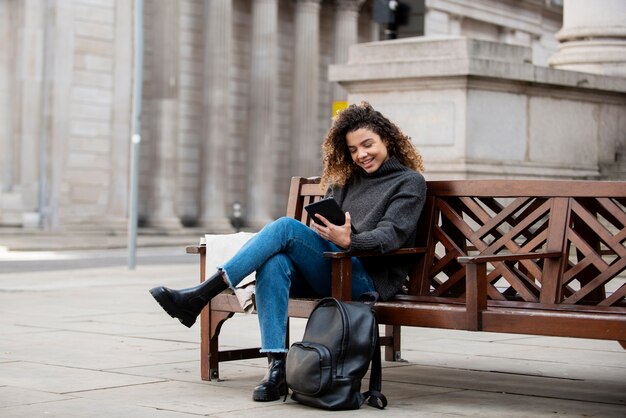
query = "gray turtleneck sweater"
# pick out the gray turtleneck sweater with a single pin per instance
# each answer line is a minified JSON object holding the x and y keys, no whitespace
{"x":384,"y":207}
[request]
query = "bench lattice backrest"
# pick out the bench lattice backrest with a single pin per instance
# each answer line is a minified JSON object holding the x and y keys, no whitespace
{"x":503,"y":217}
{"x":595,"y":238}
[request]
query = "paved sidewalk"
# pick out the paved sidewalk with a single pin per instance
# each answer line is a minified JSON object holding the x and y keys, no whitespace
{"x":93,"y":343}
{"x":17,"y":239}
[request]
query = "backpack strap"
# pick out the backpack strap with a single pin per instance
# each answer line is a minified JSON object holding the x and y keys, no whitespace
{"x":374,"y":396}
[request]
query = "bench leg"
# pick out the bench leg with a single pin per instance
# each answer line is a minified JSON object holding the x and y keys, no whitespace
{"x":392,"y":350}
{"x":623,"y":344}
{"x":211,"y":323}
{"x":204,"y":344}
{"x":475,"y":294}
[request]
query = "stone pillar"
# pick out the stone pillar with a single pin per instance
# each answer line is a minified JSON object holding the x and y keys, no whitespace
{"x":306,"y":139}
{"x":593,"y":37}
{"x":119,"y":161}
{"x":262,"y":112}
{"x":162,"y":213}
{"x":10,"y":197}
{"x":217,"y":68}
{"x":30,"y":69}
{"x":6,"y":99}
{"x":57,"y":137}
{"x":346,"y":34}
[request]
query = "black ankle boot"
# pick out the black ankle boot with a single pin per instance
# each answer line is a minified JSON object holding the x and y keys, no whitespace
{"x":186,"y":304}
{"x":273,"y":385}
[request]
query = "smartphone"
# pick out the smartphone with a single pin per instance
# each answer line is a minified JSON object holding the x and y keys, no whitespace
{"x":328,"y":208}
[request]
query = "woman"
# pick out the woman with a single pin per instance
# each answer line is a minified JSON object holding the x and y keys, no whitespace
{"x":373,"y":171}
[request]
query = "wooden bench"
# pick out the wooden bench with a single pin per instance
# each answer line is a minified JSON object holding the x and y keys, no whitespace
{"x":515,"y":256}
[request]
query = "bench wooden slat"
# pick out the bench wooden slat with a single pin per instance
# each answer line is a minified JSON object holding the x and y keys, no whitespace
{"x":507,"y":257}
{"x":556,"y":324}
{"x":517,"y":188}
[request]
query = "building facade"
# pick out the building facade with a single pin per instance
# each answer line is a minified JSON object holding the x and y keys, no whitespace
{"x":236,"y":100}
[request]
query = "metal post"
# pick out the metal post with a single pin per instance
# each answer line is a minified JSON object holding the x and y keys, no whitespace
{"x":136,"y":137}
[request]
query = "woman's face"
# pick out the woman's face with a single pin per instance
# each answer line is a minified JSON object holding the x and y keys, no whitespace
{"x":367,"y":149}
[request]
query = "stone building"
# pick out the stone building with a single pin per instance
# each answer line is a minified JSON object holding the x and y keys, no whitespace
{"x":236,"y":99}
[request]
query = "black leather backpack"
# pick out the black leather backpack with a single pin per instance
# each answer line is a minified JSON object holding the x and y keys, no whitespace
{"x":325,"y":369}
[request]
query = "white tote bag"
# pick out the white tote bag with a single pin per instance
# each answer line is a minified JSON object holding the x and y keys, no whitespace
{"x":219,"y":249}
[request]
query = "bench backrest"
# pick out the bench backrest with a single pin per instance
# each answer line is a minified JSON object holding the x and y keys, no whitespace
{"x":583,"y":220}
{"x":302,"y":192}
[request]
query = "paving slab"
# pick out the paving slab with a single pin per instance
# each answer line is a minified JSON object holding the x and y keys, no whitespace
{"x":591,"y":389}
{"x":575,"y":343}
{"x":469,"y":403}
{"x":468,"y":347}
{"x":16,"y":396}
{"x":96,"y":351}
{"x":503,"y":364}
{"x":612,"y":359}
{"x":64,"y":380}
{"x":81,"y":408}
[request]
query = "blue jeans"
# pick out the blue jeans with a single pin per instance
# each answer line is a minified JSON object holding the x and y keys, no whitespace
{"x":287,"y":257}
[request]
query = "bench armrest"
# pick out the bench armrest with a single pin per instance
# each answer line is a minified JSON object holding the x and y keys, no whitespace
{"x":195,"y":249}
{"x":476,"y":280}
{"x":341,"y":279}
{"x":349,"y":254}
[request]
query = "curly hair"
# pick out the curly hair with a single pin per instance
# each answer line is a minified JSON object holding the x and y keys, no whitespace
{"x":336,"y":159}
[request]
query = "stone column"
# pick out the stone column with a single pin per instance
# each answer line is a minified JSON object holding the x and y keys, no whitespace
{"x":10,"y":197}
{"x":119,"y":160}
{"x":346,"y":34}
{"x":593,"y":37}
{"x":60,"y":79}
{"x":217,"y":68}
{"x":306,"y":139}
{"x":6,"y":99}
{"x":162,"y":214}
{"x":30,"y":96}
{"x":262,"y":112}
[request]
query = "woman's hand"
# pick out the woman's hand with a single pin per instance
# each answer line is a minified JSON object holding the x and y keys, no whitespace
{"x":337,"y":234}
